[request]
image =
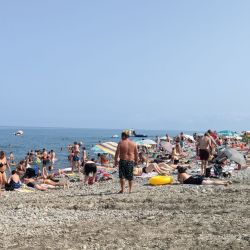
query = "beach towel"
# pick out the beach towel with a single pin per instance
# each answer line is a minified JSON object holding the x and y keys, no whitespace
{"x":148,"y":175}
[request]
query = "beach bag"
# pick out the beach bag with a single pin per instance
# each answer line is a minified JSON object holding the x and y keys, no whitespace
{"x":30,"y":173}
{"x":9,"y":187}
{"x":36,"y":169}
{"x":208,"y":172}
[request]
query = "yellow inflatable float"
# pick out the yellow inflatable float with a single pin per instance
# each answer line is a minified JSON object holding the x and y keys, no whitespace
{"x":161,"y":180}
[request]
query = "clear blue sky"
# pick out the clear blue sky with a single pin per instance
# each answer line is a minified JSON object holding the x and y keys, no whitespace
{"x":132,"y":63}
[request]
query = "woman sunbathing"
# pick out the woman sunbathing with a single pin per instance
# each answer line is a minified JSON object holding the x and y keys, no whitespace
{"x":48,"y":174}
{"x":185,"y":178}
{"x":161,"y":169}
{"x":38,"y":183}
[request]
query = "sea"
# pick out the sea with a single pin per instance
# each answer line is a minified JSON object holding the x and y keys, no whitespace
{"x":59,"y":138}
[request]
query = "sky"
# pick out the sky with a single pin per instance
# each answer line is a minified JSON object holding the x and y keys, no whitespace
{"x":125,"y":64}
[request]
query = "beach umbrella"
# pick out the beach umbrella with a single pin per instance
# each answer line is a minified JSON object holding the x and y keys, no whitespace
{"x":234,"y":155}
{"x":237,"y":137}
{"x":106,"y":147}
{"x":145,"y":142}
{"x":164,"y":138}
{"x":189,"y":137}
{"x":167,"y":146}
{"x":226,"y":133}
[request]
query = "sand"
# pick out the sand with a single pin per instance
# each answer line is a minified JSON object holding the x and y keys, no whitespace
{"x":95,"y":217}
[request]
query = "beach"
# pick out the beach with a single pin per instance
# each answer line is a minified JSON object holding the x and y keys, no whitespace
{"x":95,"y":217}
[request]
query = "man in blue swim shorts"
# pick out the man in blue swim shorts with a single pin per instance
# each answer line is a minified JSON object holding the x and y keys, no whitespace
{"x":127,"y":154}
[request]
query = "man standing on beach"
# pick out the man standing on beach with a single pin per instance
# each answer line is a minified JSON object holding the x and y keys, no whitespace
{"x":128,"y":157}
{"x":204,"y":146}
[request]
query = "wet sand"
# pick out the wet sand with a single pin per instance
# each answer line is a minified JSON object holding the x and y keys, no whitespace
{"x":95,"y":217}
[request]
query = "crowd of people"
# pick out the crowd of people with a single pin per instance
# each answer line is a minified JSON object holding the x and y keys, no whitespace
{"x":37,"y":171}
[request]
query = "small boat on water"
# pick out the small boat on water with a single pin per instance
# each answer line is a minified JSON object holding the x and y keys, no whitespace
{"x":132,"y":133}
{"x":19,"y":133}
{"x":115,"y":136}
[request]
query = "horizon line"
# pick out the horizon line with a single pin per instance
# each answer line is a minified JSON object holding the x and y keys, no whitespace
{"x":53,"y":127}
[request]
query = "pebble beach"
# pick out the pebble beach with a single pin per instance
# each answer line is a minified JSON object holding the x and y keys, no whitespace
{"x":96,"y":217}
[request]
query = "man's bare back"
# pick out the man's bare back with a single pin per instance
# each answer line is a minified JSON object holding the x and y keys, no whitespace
{"x":205,"y":143}
{"x":126,"y":150}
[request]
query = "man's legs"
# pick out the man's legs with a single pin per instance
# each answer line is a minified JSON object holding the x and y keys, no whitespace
{"x":203,"y":167}
{"x":130,"y":183}
{"x":122,"y":183}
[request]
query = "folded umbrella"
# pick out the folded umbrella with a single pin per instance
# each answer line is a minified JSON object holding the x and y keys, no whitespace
{"x":234,"y":155}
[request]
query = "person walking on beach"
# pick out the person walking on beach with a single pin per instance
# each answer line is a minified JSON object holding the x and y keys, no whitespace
{"x":204,"y":146}
{"x":128,"y":157}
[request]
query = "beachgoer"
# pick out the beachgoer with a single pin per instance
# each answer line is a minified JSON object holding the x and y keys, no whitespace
{"x":168,"y":139}
{"x":53,"y":156}
{"x":161,"y":169}
{"x":3,"y":166}
{"x":127,"y":155}
{"x":185,"y":178}
{"x":31,"y":182}
{"x":142,"y":159}
{"x":84,"y":156}
{"x":76,"y":159}
{"x":182,"y":139}
{"x":45,"y":158}
{"x":21,"y":169}
{"x":177,"y":153}
{"x":50,"y":174}
{"x":204,"y":146}
{"x":103,"y":160}
{"x":14,"y":180}
{"x":12,"y":159}
{"x":90,"y":168}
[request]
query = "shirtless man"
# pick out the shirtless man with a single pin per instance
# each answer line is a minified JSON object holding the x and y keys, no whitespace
{"x":204,"y":146}
{"x":128,"y":157}
{"x":76,"y":158}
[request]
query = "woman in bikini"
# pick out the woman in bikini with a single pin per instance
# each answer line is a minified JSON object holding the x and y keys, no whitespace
{"x":185,"y":178}
{"x":3,"y":166}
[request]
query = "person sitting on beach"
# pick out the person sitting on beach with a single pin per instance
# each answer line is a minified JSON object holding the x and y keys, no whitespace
{"x":185,"y":178}
{"x":21,"y":169}
{"x":14,"y":180}
{"x":90,"y":168}
{"x":177,"y":153}
{"x":142,"y":159}
{"x":103,"y":160}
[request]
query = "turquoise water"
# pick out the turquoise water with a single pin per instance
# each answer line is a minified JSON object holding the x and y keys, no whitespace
{"x":57,"y":138}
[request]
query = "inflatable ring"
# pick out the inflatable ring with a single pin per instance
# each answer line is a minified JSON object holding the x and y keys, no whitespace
{"x":161,"y":180}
